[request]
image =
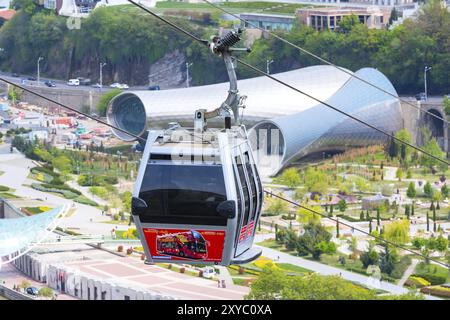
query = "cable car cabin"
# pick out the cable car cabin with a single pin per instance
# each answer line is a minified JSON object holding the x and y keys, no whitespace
{"x":198,"y":197}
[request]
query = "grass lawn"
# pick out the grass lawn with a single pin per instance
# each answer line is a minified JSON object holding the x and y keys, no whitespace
{"x":333,"y":260}
{"x":7,"y":195}
{"x":434,"y":269}
{"x":292,"y":268}
{"x":272,"y":244}
{"x":124,"y":223}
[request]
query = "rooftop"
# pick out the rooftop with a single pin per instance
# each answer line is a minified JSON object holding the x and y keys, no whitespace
{"x":7,"y":14}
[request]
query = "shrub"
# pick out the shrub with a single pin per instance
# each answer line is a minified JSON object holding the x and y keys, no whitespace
{"x":417,"y":282}
{"x":66,"y":193}
{"x":437,"y":291}
{"x":129,"y":251}
{"x":142,"y":257}
{"x":110,"y":180}
{"x":182,"y":269}
{"x":46,"y":292}
{"x":3,"y":188}
{"x":83,"y":200}
{"x":120,"y":249}
{"x":61,"y":187}
{"x":432,"y":278}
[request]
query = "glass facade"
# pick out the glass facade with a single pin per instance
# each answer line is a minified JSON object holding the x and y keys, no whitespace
{"x":19,"y":234}
{"x":321,"y":129}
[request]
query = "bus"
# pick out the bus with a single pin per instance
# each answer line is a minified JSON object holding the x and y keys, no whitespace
{"x":189,"y":244}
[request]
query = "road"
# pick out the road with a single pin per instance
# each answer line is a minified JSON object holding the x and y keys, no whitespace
{"x":60,"y":84}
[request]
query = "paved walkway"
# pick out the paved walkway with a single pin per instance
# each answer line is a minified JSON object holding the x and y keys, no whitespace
{"x":408,"y":272}
{"x":86,"y":219}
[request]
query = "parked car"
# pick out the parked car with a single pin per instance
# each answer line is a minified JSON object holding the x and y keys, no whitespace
{"x":208,"y":272}
{"x":154,"y":88}
{"x":73,"y":82}
{"x":49,"y":83}
{"x":123,"y":86}
{"x":32,"y":78}
{"x":32,"y":290}
{"x":115,"y":85}
{"x":84,"y":81}
{"x":15,"y":75}
{"x":421,"y":96}
{"x":97,"y":85}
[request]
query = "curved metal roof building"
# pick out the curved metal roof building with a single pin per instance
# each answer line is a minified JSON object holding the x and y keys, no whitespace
{"x":19,"y":235}
{"x":320,"y":128}
{"x":286,"y":125}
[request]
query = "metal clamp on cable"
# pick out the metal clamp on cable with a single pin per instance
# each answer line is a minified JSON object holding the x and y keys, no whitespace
{"x":221,"y":45}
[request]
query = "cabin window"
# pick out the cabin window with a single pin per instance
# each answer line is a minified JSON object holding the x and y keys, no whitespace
{"x":185,"y":194}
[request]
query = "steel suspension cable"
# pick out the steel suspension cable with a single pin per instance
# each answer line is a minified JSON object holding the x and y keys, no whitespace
{"x":69,"y":108}
{"x":292,"y":87}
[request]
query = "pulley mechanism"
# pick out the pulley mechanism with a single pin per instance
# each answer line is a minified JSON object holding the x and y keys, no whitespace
{"x":223,"y":46}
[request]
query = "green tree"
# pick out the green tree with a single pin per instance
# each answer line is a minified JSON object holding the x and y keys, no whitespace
{"x":411,"y":191}
{"x":291,"y":177}
{"x":369,"y":257}
{"x":446,"y":105}
{"x":314,"y":233}
{"x":388,"y":259}
{"x":14,"y":94}
{"x":46,"y":292}
{"x":274,"y":284}
{"x":407,"y":211}
{"x":397,"y":231}
{"x":347,"y":23}
{"x":445,"y":191}
{"x":276,"y":206}
{"x":342,"y":205}
{"x":441,"y":243}
{"x":62,"y":163}
{"x":403,"y":135}
{"x":418,"y":242}
{"x":433,"y":148}
{"x":316,"y":180}
{"x":378,"y":217}
{"x":306,"y":214}
{"x":428,"y":190}
{"x":105,"y":99}
{"x":394,"y":16}
{"x":399,"y":174}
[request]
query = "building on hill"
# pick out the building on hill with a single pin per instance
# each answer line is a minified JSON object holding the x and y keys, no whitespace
{"x":330,"y":17}
{"x":267,"y":21}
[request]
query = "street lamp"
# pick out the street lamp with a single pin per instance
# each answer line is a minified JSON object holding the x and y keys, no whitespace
{"x":38,"y":70}
{"x":427,"y":68}
{"x":187,"y":73}
{"x":102,"y":64}
{"x":268,"y":63}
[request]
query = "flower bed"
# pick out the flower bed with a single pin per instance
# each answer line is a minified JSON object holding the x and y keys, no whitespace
{"x":418,"y":282}
{"x":439,"y":291}
{"x":66,"y":193}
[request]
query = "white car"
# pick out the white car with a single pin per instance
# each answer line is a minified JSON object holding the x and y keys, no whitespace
{"x":115,"y":85}
{"x":123,"y":86}
{"x":208,"y":272}
{"x":73,"y":82}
